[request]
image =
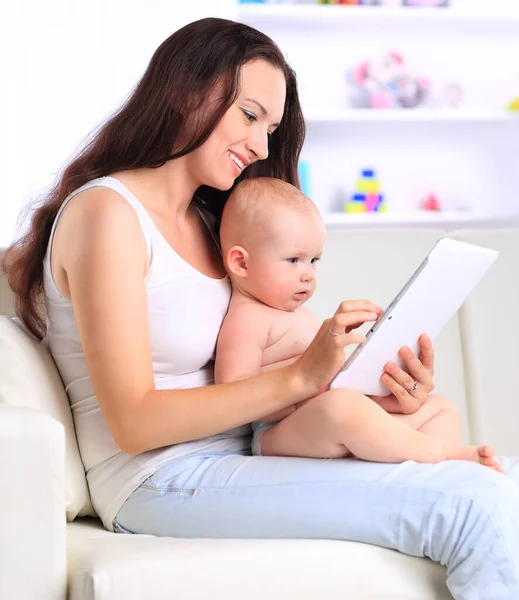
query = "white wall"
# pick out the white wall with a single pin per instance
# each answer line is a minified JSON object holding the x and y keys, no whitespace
{"x":65,"y":66}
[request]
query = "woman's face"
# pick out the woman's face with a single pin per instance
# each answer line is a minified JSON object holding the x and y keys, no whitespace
{"x":241,"y":137}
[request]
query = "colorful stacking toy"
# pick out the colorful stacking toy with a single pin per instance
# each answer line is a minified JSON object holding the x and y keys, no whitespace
{"x":367,"y":196}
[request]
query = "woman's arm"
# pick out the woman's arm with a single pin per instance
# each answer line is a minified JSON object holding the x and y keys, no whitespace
{"x":105,"y":260}
{"x":284,"y":412}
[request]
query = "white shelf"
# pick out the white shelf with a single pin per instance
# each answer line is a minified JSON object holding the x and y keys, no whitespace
{"x":440,"y":219}
{"x":450,"y":44}
{"x":363,"y":115}
{"x":279,"y":14}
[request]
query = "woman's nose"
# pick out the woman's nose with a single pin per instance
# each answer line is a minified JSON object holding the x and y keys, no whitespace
{"x":258,"y":145}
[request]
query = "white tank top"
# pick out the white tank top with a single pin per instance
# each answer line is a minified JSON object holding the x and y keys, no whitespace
{"x":186,"y":310}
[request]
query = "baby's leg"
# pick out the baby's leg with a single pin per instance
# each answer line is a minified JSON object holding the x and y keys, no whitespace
{"x":342,"y":423}
{"x":437,"y":417}
{"x":440,"y":418}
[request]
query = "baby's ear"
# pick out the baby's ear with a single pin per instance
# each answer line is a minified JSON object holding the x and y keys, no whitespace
{"x":236,"y":262}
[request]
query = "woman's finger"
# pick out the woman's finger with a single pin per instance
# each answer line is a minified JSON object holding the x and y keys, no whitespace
{"x":350,"y":306}
{"x":426,"y":353}
{"x":416,"y":369}
{"x":399,"y":375}
{"x":407,"y":403}
{"x":344,"y":322}
{"x":345,"y":338}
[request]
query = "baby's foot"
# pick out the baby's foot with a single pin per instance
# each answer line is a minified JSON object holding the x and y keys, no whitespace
{"x":484,"y":455}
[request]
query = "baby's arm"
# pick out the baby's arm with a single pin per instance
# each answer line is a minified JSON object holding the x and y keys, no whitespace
{"x":239,"y":350}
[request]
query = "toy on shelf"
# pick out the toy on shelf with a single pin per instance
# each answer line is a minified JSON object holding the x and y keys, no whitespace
{"x":451,"y":95}
{"x":431,"y":202}
{"x":303,"y":171}
{"x":386,"y":83}
{"x":433,"y":3}
{"x":513,"y":105}
{"x":349,"y":2}
{"x":367,"y":196}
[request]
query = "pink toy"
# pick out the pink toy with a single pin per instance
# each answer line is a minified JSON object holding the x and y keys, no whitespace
{"x":431,"y":202}
{"x":386,"y":83}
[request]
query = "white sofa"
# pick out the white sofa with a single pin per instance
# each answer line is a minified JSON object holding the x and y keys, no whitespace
{"x":53,"y":547}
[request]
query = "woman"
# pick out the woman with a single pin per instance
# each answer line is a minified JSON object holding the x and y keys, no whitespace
{"x":135,"y":293}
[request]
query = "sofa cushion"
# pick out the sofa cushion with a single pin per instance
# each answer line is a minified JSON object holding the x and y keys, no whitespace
{"x":108,"y":566}
{"x":29,"y":378}
{"x":32,"y":501}
{"x":6,"y":295}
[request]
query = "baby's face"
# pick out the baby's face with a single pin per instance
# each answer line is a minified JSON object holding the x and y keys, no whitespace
{"x":282,"y":268}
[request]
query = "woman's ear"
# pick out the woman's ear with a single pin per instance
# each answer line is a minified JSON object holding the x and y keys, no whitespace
{"x":237,"y":261}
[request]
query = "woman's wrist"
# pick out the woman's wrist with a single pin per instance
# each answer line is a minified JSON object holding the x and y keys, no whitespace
{"x":297,"y":383}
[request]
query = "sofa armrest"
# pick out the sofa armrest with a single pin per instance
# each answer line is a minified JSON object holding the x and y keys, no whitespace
{"x":32,"y":505}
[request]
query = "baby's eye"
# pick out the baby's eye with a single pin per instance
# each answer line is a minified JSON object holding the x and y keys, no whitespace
{"x":314,"y":260}
{"x":251,"y":117}
{"x":294,"y":260}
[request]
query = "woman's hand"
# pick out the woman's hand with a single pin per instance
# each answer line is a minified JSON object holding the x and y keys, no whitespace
{"x":409,"y":390}
{"x":326,"y":355}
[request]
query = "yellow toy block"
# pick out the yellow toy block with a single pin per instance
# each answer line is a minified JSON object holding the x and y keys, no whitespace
{"x":368,"y":186}
{"x":354,"y":207}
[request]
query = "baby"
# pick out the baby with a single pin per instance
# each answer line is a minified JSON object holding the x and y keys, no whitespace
{"x":272,"y":238}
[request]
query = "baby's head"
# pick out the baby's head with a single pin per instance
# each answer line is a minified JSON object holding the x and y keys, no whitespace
{"x":272,"y":236}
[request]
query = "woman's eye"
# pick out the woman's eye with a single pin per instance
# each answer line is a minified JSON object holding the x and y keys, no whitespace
{"x":250,"y":116}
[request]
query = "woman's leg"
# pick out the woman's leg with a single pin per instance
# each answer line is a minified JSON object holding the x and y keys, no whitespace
{"x":458,"y":513}
{"x":510,"y":466}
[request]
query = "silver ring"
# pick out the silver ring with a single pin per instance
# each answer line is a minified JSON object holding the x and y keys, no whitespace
{"x":333,"y":332}
{"x":415,"y":385}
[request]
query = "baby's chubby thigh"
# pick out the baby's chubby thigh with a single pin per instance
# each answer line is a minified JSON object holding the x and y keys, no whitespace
{"x":434,"y":407}
{"x":318,"y":428}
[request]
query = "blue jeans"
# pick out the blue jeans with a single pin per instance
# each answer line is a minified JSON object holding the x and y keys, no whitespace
{"x":461,"y":514}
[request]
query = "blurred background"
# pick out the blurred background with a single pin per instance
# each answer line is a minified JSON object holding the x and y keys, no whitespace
{"x":412,"y":106}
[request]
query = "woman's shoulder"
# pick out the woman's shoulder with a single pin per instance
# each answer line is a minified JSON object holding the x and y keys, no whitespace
{"x":97,"y":221}
{"x":98,"y":203}
{"x":100,"y":211}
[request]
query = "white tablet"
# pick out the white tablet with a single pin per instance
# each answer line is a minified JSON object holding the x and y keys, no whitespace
{"x":435,"y":291}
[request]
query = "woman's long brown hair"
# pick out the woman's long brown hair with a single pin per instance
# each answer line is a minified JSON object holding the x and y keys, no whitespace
{"x":162,"y":119}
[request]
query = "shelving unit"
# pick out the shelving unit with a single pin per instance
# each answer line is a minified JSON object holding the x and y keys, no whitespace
{"x":468,"y":156}
{"x":412,"y":115}
{"x":352,"y":15}
{"x":446,"y":220}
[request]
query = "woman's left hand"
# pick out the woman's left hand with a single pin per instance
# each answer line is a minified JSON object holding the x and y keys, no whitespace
{"x":409,"y":390}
